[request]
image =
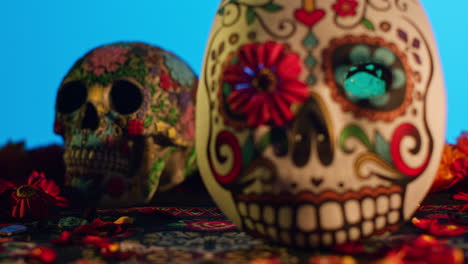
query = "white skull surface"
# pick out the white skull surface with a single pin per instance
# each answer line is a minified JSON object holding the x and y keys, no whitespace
{"x":319,"y":122}
{"x":126,"y":113}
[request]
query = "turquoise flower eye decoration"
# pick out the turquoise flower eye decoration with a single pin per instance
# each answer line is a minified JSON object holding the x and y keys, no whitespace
{"x":365,"y":81}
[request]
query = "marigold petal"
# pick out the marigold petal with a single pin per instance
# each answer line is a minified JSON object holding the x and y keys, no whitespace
{"x":289,"y":67}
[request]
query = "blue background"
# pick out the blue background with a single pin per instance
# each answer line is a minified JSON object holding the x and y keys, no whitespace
{"x":41,"y":40}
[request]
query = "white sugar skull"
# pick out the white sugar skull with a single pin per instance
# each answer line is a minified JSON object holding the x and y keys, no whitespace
{"x":126,"y":113}
{"x":319,"y":121}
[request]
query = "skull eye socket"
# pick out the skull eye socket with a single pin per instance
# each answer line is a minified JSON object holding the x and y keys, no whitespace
{"x":71,"y":97}
{"x":126,"y":97}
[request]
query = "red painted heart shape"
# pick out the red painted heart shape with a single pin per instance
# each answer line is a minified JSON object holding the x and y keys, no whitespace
{"x":309,"y":18}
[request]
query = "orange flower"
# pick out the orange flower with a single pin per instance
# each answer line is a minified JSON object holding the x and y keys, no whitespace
{"x":448,"y":173}
{"x":462,"y":142}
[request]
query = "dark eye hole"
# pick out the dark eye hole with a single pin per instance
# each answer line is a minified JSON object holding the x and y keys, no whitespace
{"x":126,"y":97}
{"x":71,"y":97}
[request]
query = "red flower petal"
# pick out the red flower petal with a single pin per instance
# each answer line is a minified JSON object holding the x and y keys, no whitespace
{"x":262,"y":55}
{"x":433,"y":227}
{"x":63,"y":239}
{"x":461,"y":196}
{"x":236,"y":74}
{"x":5,"y":185}
{"x":294,"y":91}
{"x":238,"y":99}
{"x":438,"y":229}
{"x":274,"y":51}
{"x":289,"y":67}
{"x":46,"y":255}
{"x":282,"y":106}
{"x":96,"y":241}
{"x":248,"y":57}
{"x":422,"y":223}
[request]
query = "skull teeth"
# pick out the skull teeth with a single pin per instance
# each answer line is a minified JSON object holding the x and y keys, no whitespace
{"x":325,"y":224}
{"x":96,"y":160}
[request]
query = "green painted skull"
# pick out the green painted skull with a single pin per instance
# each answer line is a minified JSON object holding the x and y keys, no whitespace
{"x":126,"y":113}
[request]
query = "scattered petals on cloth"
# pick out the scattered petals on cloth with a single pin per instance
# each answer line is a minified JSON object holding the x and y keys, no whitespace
{"x":102,"y":228}
{"x":36,"y":197}
{"x":43,"y":254}
{"x":355,"y":247}
{"x":332,"y":260}
{"x":434,"y":227}
{"x":461,"y":196}
{"x":265,"y":261}
{"x":112,"y":251}
{"x":96,"y":241}
{"x":425,"y":249}
{"x":65,"y":238}
{"x":87,"y":261}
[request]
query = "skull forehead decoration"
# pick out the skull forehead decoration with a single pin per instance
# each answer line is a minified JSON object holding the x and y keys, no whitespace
{"x":319,"y":122}
{"x":126,"y":113}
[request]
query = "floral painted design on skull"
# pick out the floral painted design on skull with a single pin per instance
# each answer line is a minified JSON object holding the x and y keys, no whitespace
{"x":125,"y":130}
{"x":314,"y":126}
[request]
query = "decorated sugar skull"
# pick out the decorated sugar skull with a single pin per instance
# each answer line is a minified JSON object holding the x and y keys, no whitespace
{"x":319,"y":121}
{"x":126,"y":113}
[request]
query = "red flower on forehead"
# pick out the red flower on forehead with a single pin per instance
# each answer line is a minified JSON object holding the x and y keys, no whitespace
{"x":345,"y":7}
{"x":265,"y":83}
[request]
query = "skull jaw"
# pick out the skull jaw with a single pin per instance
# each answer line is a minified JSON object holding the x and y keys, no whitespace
{"x":107,"y":175}
{"x":141,"y":168}
{"x":308,"y":220}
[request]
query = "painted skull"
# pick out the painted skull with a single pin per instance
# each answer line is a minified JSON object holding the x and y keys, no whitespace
{"x":319,"y":121}
{"x":126,"y":113}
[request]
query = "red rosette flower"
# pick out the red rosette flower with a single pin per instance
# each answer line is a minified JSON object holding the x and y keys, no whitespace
{"x":36,"y":197}
{"x":345,"y":7}
{"x":135,"y":127}
{"x":265,"y":83}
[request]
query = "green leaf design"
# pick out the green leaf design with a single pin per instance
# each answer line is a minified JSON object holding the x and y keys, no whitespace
{"x":248,"y":152}
{"x":148,"y":121}
{"x":355,"y":132}
{"x":264,"y":142}
{"x":272,"y":7}
{"x":251,"y":15}
{"x":226,"y":89}
{"x":221,"y":11}
{"x":191,"y":164}
{"x":382,"y":148}
{"x":368,"y":24}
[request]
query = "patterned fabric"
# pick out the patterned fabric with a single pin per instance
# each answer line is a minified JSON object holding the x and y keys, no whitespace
{"x":169,"y":234}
